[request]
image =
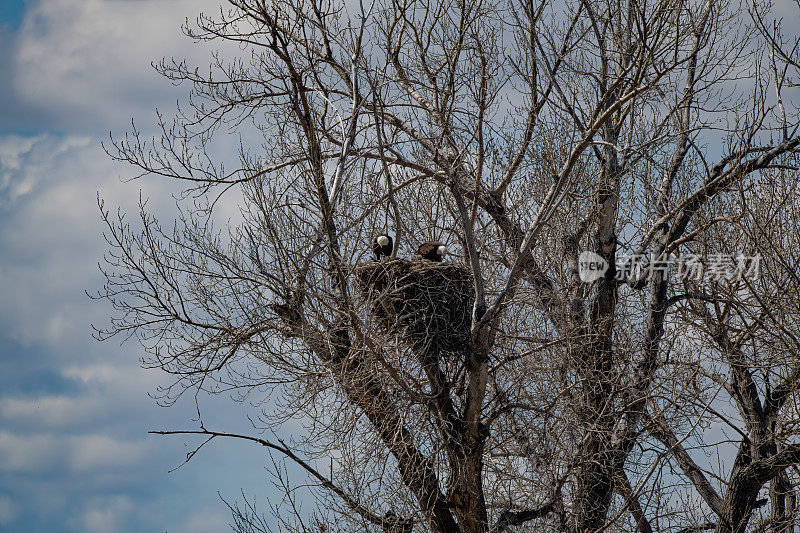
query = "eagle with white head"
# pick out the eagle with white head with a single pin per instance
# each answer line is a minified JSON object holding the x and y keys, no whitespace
{"x":382,"y":246}
{"x":432,"y":251}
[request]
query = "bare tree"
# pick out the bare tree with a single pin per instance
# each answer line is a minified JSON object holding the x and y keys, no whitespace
{"x":497,"y":391}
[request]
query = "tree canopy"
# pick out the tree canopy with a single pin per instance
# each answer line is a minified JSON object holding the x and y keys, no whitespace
{"x":502,"y":389}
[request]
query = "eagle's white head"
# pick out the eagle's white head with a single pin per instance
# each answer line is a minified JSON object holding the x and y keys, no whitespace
{"x":442,"y":250}
{"x":383,"y":240}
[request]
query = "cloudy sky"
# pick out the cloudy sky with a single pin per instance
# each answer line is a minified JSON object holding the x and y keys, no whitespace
{"x":74,"y":413}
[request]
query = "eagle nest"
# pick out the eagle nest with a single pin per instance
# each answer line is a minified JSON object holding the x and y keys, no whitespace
{"x":429,"y":305}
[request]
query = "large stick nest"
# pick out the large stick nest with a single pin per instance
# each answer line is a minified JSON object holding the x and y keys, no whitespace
{"x":427,"y":304}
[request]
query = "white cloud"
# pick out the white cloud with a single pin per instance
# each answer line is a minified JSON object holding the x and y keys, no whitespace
{"x":85,"y":65}
{"x":106,"y":515}
{"x":51,"y":453}
{"x":48,"y":227}
{"x":32,"y":454}
{"x":111,"y":397}
{"x":24,"y":162}
{"x":51,"y":411}
{"x":90,"y":452}
{"x":97,"y":373}
{"x":207,"y":521}
{"x":87,"y":62}
{"x":102,"y":376}
{"x":12,"y":151}
{"x":8,"y":510}
{"x":50,"y":233}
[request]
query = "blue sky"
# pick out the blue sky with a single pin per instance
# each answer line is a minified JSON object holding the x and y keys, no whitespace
{"x":11,"y":12}
{"x":74,"y":413}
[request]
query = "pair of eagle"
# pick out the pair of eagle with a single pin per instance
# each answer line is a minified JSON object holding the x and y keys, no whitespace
{"x":432,"y":251}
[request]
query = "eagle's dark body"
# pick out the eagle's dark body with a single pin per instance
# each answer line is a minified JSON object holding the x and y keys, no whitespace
{"x":382,"y":246}
{"x":432,"y":251}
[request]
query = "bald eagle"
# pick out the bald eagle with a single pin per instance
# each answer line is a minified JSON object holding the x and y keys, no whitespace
{"x":382,"y":246}
{"x":432,"y":251}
